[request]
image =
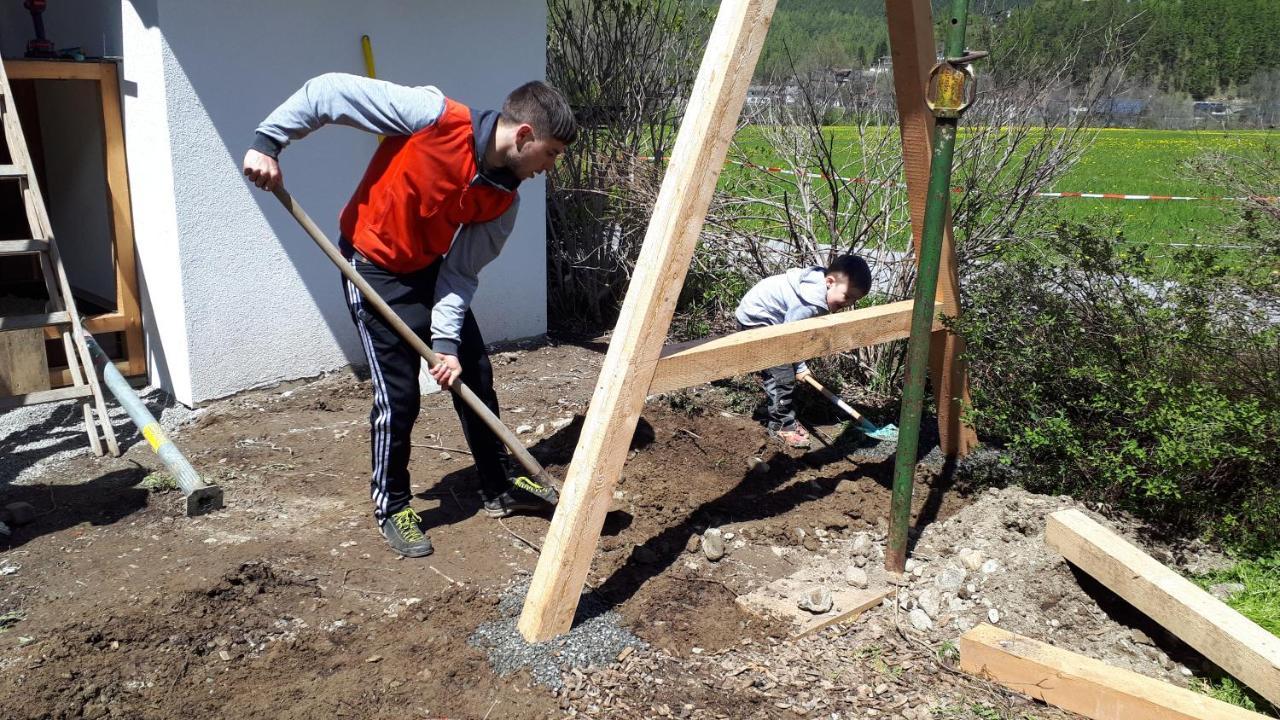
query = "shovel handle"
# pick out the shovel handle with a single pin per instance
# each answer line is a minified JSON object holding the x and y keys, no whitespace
{"x":835,"y":399}
{"x":409,"y":336}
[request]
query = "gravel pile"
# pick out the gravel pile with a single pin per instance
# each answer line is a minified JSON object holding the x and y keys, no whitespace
{"x":594,"y":642}
{"x":37,"y":437}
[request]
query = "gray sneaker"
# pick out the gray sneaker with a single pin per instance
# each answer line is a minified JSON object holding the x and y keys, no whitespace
{"x":515,"y":501}
{"x":404,"y":533}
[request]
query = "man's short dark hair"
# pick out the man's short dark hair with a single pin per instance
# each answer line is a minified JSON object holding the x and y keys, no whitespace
{"x":544,"y":107}
{"x":854,"y":268}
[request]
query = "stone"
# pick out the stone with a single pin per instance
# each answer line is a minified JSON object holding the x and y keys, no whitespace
{"x":951,"y":579}
{"x":861,"y":545}
{"x":920,"y":620}
{"x":859,"y":561}
{"x":990,"y":566}
{"x":798,"y":534}
{"x":955,"y":605}
{"x":855,"y":576}
{"x":1140,"y":637}
{"x":713,"y":544}
{"x":1222,"y":591}
{"x":694,"y":542}
{"x":971,"y":559}
{"x":911,"y":565}
{"x":993,"y":615}
{"x":811,"y":543}
{"x":756,"y":465}
{"x":930,"y":602}
{"x":522,"y":429}
{"x":816,"y":600}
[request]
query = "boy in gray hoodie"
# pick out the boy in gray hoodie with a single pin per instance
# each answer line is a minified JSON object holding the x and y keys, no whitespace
{"x":797,"y":294}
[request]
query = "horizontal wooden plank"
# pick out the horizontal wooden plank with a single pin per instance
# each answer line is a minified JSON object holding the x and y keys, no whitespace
{"x":54,"y":70}
{"x":44,"y":396}
{"x":12,"y":171}
{"x":27,"y":322}
{"x":61,"y":376}
{"x":1081,"y":684}
{"x":701,"y":361}
{"x":1235,"y":643}
{"x":11,"y":247}
{"x":96,"y":324}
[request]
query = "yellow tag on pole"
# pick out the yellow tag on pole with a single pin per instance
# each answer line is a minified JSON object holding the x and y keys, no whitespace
{"x":154,"y":435}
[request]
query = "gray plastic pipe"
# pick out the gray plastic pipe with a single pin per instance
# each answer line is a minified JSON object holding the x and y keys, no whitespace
{"x":201,"y":498}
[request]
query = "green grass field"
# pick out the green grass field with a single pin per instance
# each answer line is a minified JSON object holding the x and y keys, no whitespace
{"x":1154,"y":162}
{"x":1136,"y":162}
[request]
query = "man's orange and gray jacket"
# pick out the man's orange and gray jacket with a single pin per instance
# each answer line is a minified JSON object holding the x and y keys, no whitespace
{"x":426,"y":193}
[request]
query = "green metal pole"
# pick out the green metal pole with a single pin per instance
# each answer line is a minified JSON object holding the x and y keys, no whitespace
{"x":944,"y":140}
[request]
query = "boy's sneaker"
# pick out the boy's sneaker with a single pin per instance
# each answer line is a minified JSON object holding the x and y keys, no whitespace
{"x":515,"y":501}
{"x":796,"y":438}
{"x":404,"y":533}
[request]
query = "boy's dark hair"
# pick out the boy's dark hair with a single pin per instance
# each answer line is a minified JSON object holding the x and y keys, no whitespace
{"x":544,"y":107}
{"x":854,"y":268}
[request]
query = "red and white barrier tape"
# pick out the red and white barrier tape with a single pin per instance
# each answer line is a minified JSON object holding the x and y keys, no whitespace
{"x":1099,"y":196}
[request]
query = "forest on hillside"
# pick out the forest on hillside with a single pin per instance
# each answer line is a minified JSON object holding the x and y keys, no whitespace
{"x":1199,"y":47}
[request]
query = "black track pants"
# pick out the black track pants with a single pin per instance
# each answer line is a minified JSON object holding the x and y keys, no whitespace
{"x":394,"y":366}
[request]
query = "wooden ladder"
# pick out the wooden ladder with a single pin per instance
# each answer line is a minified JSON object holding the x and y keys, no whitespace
{"x":61,"y":308}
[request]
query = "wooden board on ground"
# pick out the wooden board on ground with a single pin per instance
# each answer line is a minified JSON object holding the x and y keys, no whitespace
{"x":23,"y":366}
{"x":1081,"y":684}
{"x":1235,"y":643}
{"x":778,"y":599}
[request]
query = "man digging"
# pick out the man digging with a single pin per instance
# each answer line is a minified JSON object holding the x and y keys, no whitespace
{"x":436,"y":204}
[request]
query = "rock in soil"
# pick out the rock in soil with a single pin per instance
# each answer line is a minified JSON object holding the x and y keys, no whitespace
{"x":816,"y":601}
{"x":713,"y":544}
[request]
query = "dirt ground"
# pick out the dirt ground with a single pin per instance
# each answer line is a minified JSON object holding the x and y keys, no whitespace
{"x":288,"y":604}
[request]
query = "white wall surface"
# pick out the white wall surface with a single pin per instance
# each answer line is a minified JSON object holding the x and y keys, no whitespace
{"x":261,"y":302}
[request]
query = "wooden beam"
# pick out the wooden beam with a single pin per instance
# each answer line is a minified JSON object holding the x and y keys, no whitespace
{"x":1081,"y":684}
{"x":107,"y":322}
{"x":710,"y":120}
{"x":23,"y":365}
{"x":61,"y":376}
{"x":121,"y":208}
{"x":913,"y":49}
{"x":1221,"y":634}
{"x":710,"y":359}
{"x":55,"y":70}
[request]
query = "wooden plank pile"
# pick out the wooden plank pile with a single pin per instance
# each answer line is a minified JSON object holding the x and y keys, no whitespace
{"x":1097,"y":690}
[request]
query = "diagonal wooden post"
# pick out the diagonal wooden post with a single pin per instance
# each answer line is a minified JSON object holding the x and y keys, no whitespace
{"x":710,"y":120}
{"x":912,"y":46}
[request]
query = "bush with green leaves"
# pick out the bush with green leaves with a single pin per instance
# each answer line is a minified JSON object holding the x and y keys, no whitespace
{"x":1153,"y":386}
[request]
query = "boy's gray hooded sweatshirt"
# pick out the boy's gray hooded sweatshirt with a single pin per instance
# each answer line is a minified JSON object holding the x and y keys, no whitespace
{"x":797,"y":294}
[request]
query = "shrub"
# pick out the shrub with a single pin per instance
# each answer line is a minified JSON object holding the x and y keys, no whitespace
{"x":1154,"y":386}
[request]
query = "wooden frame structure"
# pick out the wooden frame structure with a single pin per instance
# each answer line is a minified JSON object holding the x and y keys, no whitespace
{"x":127,"y":317}
{"x":636,"y":363}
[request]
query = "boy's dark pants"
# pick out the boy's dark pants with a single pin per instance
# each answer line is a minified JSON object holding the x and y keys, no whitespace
{"x":779,"y":385}
{"x":394,"y":367}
